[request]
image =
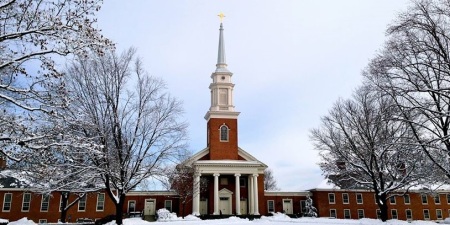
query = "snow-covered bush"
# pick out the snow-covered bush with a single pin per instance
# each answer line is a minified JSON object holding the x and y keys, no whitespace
{"x":165,"y":215}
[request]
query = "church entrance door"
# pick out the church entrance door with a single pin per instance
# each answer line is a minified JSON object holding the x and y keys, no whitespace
{"x":224,"y":205}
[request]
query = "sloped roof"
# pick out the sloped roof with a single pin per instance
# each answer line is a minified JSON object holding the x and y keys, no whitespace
{"x":245,"y":155}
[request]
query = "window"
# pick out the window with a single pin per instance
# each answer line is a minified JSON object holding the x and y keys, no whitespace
{"x":303,"y":206}
{"x":407,"y":199}
{"x":437,"y":199}
{"x":82,"y":203}
{"x":44,"y":203}
{"x":347,"y":214}
{"x":270,"y":206}
{"x":131,"y":206}
{"x":223,"y":181}
{"x":378,"y":212}
{"x":100,"y":202}
{"x":42,"y":221}
{"x":26,"y":202}
{"x":333,"y":213}
{"x":331,"y":198}
{"x":242,"y":181}
{"x":448,"y":198}
{"x":345,"y":198}
{"x":409,"y":214}
{"x":426,"y":214}
{"x":392,"y":200}
{"x":439,"y":214}
{"x":168,"y":205}
{"x":224,"y":133}
{"x":223,"y":96}
{"x":359,"y":198}
{"x":394,"y":214}
{"x":424,"y":199}
{"x":7,"y":202}
{"x":360,"y":213}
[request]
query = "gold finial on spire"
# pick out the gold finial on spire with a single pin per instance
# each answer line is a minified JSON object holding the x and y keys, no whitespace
{"x":221,"y":15}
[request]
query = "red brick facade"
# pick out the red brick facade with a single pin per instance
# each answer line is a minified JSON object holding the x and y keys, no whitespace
{"x":219,"y":150}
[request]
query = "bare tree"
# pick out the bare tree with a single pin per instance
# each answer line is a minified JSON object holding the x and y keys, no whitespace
{"x":180,"y":179}
{"x":131,"y":124}
{"x":270,"y":184}
{"x":414,"y":69}
{"x":363,"y":146}
{"x":33,"y":36}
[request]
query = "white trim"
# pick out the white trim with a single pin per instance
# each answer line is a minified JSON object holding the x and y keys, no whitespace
{"x":348,"y":198}
{"x":406,"y":214}
{"x":48,"y":202}
{"x":4,"y":201}
{"x":362,"y":200}
{"x":396,"y":214}
{"x":409,"y":198}
{"x":335,"y":213}
{"x":85,"y":203}
{"x":390,"y":200}
{"x":429,"y":216}
{"x":103,"y":203}
{"x":421,"y":199}
{"x":23,"y":202}
{"x":334,"y":198}
{"x":273,"y":204}
{"x":349,"y":213}
{"x":128,"y":205}
{"x":442,"y":215}
{"x":363,"y":213}
{"x":171,"y":206}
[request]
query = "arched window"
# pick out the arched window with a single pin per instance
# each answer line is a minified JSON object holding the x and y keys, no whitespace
{"x":224,"y":133}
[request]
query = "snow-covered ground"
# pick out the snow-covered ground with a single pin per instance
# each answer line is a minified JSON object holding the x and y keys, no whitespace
{"x":278,"y":219}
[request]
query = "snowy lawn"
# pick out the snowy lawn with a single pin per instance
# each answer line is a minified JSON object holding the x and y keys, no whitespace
{"x":278,"y":219}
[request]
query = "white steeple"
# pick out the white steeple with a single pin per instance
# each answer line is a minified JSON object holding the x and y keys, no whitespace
{"x":221,"y":86}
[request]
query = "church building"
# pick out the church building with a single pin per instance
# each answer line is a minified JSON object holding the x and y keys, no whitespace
{"x":238,"y":177}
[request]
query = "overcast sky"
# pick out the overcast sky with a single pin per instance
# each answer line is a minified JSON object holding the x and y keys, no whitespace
{"x":291,"y":60}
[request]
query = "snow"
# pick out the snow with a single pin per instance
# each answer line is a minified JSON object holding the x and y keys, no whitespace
{"x":278,"y":218}
{"x":23,"y":221}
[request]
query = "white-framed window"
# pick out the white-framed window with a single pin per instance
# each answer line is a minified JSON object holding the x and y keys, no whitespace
{"x":378,"y":212}
{"x":392,"y":200}
{"x":448,"y":198}
{"x":345,"y":199}
{"x":243,"y":181}
{"x":439,"y":214}
{"x":82,"y":204}
{"x":426,"y":214}
{"x":347,"y":214}
{"x":168,"y":205}
{"x":45,"y":203}
{"x":360,"y":213}
{"x":131,"y":206}
{"x":394,"y":214}
{"x":424,"y":199}
{"x":409,"y":214}
{"x":26,"y":202}
{"x":407,"y":199}
{"x":331,"y":198}
{"x":437,"y":199}
{"x":100,"y":202}
{"x":333,"y":213}
{"x":41,"y":221}
{"x":359,"y":198}
{"x":7,"y":199}
{"x":270,"y":206}
{"x":224,"y":133}
{"x":303,"y":206}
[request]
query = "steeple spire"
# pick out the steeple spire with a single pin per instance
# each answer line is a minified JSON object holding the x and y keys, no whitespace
{"x":221,"y":65}
{"x":221,"y":86}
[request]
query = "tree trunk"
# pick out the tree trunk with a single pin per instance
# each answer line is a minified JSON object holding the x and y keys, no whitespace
{"x":64,"y":201}
{"x":382,"y":204}
{"x":119,"y":209}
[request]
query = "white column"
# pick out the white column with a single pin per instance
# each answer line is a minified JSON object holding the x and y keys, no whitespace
{"x":255,"y":185}
{"x":238,"y":194}
{"x":250,"y":196}
{"x":216,"y":194}
{"x":196,"y":195}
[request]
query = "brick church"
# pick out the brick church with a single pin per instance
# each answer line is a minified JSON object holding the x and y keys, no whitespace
{"x":235,"y":182}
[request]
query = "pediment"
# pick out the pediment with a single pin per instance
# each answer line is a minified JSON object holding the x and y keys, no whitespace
{"x":225,"y":191}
